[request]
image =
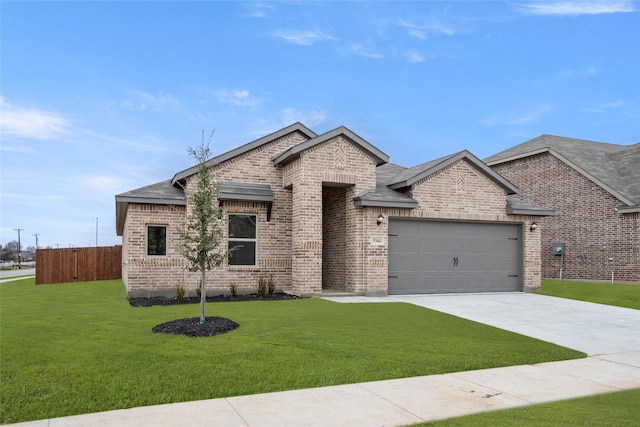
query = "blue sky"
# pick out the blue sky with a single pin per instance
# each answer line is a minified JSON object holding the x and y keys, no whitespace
{"x":99,"y":98}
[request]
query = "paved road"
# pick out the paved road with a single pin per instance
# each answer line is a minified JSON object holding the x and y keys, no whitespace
{"x":15,"y":273}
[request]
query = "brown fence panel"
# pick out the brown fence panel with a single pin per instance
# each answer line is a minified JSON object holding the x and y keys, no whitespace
{"x":78,"y":264}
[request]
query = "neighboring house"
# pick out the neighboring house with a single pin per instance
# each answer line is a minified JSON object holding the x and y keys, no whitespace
{"x":328,"y":213}
{"x":594,"y":188}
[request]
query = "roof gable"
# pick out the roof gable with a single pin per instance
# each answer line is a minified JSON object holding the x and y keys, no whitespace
{"x":612,"y":167}
{"x":296,"y":151}
{"x":296,"y":127}
{"x":410,"y":176}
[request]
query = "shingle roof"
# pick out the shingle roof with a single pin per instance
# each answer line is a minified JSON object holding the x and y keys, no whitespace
{"x":383,"y":196}
{"x":611,"y":166}
{"x":161,"y":193}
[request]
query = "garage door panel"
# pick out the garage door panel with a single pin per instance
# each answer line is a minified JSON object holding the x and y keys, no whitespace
{"x":440,"y":257}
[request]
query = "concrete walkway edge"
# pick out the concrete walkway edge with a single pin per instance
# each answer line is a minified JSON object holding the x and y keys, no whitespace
{"x":386,"y":403}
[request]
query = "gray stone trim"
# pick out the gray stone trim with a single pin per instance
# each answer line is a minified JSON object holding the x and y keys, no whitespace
{"x":229,"y":190}
{"x":518,"y":207}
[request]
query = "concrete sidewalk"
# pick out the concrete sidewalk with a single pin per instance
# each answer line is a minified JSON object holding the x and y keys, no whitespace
{"x":613,"y":366}
{"x":387,"y":403}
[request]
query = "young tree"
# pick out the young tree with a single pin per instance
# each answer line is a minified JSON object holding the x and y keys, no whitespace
{"x":202,"y":237}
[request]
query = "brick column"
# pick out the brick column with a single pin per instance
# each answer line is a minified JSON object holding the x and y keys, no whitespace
{"x":306,"y":238}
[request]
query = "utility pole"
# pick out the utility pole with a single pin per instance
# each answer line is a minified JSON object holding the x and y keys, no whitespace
{"x":37,"y":234}
{"x":96,"y":232}
{"x":19,"y":250}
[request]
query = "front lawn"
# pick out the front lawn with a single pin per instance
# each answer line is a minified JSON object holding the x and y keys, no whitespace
{"x":602,"y":293}
{"x":612,"y":409}
{"x":77,"y":348}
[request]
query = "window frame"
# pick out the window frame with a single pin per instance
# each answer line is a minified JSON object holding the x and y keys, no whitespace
{"x":166,"y":240}
{"x":242,"y":239}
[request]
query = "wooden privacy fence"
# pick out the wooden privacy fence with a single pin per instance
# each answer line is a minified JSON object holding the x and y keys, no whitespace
{"x":78,"y":264}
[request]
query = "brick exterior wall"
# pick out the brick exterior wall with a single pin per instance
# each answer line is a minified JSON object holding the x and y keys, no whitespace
{"x":316,"y":237}
{"x":598,"y":240}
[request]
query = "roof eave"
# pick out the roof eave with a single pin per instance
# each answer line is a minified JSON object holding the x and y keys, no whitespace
{"x":628,"y":209}
{"x":387,"y":204}
{"x":517,"y":156}
{"x":122,"y":205}
{"x":296,"y":127}
{"x":530,"y":212}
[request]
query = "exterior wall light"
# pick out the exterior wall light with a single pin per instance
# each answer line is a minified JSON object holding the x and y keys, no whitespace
{"x":533,"y":227}
{"x":379,"y":219}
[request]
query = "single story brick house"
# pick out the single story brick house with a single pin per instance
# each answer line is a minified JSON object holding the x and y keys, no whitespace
{"x":594,"y":188}
{"x":329,"y":213}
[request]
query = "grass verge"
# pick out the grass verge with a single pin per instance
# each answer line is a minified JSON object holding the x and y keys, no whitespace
{"x":611,"y":409}
{"x":78,"y":348}
{"x":602,"y":293}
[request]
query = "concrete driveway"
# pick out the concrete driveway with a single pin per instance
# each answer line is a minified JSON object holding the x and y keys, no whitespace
{"x":588,"y":327}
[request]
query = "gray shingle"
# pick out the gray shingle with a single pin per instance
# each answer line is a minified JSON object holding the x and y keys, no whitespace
{"x":616,"y":168}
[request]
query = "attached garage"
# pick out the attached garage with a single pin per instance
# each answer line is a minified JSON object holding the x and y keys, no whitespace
{"x":427,"y":256}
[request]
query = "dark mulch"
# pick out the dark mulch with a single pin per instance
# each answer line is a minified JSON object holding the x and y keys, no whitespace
{"x":193,"y":328}
{"x":148,"y":302}
{"x":213,"y":325}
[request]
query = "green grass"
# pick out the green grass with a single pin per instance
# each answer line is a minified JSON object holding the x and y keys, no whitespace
{"x":603,"y":293}
{"x":612,"y":409}
{"x":80,"y":347}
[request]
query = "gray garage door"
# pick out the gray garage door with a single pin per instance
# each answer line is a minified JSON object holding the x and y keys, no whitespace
{"x":444,"y":257}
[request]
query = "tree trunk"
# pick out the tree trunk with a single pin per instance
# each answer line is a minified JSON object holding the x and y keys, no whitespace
{"x":203,"y":293}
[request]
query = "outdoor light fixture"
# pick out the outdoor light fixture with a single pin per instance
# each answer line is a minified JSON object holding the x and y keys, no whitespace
{"x":533,"y":227}
{"x":379,"y":219}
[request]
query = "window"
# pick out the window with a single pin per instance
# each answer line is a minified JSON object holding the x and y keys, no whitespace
{"x":157,"y":240}
{"x":242,"y":240}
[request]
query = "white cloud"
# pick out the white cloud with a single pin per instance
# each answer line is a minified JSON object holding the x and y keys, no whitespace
{"x":238,"y":97}
{"x":414,"y":56}
{"x":258,"y":10}
{"x":580,"y":72}
{"x":604,"y":107}
{"x":574,"y":8}
{"x":311,"y":118}
{"x":31,"y":123}
{"x":302,"y":38}
{"x":518,"y":118}
{"x":143,"y":101}
{"x":102,"y":184}
{"x":361,"y":50}
{"x":422,"y":31}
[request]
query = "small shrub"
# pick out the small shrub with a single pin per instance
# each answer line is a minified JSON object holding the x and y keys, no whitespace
{"x":233,"y":289}
{"x":180,"y":293}
{"x":271,"y":285}
{"x":262,"y":286}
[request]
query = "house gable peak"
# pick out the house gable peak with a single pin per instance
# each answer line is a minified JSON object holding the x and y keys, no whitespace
{"x":296,"y":127}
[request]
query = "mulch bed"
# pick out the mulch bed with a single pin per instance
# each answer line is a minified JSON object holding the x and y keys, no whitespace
{"x":148,"y":302}
{"x":213,"y":325}
{"x":192,"y":327}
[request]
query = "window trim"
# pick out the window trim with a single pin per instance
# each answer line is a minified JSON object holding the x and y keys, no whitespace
{"x":242,"y":239}
{"x":166,"y":240}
